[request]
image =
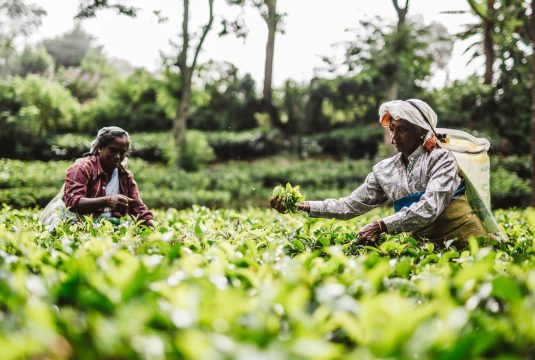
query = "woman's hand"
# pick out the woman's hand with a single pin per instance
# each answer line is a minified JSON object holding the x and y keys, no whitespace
{"x":371,"y":232}
{"x":118,"y":202}
{"x":150,"y":223}
{"x":277,"y":203}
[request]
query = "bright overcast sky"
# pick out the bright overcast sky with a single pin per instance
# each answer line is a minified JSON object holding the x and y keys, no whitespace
{"x":311,"y":27}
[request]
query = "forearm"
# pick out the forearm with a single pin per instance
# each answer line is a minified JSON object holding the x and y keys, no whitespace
{"x":343,"y":209}
{"x":304,"y":206}
{"x":419,"y":214}
{"x":89,"y":205}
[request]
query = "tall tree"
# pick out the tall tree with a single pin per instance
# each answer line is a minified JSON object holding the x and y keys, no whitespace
{"x":70,"y":48}
{"x":272,"y":18}
{"x":184,"y":61}
{"x":486,"y":12}
{"x":18,"y":18}
{"x":398,"y":44}
{"x":186,"y":71}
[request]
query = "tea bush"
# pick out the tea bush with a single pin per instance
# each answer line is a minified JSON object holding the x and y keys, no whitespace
{"x":257,"y":284}
{"x":232,"y":184}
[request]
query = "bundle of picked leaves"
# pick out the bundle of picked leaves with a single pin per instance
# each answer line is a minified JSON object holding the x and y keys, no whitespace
{"x":290,"y":197}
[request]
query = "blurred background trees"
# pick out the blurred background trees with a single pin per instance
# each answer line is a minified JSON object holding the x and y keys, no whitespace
{"x":68,"y":84}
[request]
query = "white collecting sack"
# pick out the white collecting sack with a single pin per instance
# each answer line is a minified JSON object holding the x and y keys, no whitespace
{"x":472,"y":158}
{"x":55,"y":211}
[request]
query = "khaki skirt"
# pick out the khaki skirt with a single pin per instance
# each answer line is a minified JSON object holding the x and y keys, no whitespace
{"x":458,"y":221}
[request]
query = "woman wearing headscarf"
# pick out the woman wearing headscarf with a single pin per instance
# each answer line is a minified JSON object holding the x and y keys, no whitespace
{"x":421,"y":179}
{"x":99,"y":184}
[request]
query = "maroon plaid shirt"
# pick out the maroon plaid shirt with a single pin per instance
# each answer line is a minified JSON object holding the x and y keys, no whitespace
{"x":86,"y":178}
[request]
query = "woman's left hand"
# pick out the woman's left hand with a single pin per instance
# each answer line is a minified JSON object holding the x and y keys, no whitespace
{"x":370,"y":233}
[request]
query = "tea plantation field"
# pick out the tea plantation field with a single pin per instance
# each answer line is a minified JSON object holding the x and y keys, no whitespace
{"x":255,"y":284}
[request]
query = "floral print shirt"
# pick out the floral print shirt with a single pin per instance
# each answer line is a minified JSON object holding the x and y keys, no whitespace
{"x":434,"y":173}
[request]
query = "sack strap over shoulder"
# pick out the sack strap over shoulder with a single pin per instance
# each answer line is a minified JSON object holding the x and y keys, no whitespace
{"x":440,"y":137}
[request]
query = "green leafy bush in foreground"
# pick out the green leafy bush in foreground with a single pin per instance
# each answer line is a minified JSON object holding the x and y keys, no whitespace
{"x":257,"y":284}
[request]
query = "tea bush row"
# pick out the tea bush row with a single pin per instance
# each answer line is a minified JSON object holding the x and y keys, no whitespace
{"x":256,"y":284}
{"x":230,"y":184}
{"x":227,"y":145}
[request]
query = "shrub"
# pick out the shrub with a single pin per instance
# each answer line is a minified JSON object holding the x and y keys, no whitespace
{"x":227,"y":102}
{"x":133,"y":104}
{"x":468,"y":104}
{"x":197,"y":152}
{"x":245,"y":144}
{"x":33,"y":109}
{"x":508,"y":189}
{"x":353,"y":142}
{"x":236,"y":184}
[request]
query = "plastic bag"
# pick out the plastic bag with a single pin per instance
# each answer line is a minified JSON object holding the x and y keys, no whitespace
{"x":55,"y":211}
{"x":472,"y":158}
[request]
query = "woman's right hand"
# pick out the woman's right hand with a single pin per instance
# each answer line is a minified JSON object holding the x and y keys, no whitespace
{"x":277,"y":203}
{"x":118,"y":202}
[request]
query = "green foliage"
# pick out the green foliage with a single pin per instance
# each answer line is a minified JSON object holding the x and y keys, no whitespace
{"x":387,"y":53}
{"x":197,"y":152}
{"x":56,"y":108}
{"x":343,"y":101}
{"x":229,"y":101}
{"x":290,"y":196}
{"x":18,"y":19}
{"x":508,"y":189}
{"x":132,"y":104}
{"x":85,"y":81}
{"x":35,"y":61}
{"x":70,"y":48}
{"x":236,"y":184}
{"x":254,"y":284}
{"x":508,"y":98}
{"x":33,"y":109}
{"x":255,"y":143}
{"x":468,"y":104}
{"x":355,"y":142}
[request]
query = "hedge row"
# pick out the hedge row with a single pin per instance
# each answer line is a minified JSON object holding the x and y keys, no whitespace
{"x":234,"y":184}
{"x":157,"y":147}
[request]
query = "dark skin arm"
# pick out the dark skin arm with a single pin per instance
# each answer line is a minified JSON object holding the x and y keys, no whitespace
{"x":277,"y":204}
{"x":114,"y":202}
{"x":369,"y":233}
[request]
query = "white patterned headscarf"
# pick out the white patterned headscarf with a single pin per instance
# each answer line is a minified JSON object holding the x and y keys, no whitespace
{"x":415,"y":111}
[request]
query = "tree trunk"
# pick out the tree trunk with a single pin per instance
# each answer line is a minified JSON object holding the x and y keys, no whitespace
{"x":271,"y":21}
{"x":488,"y":42}
{"x":533,"y":108}
{"x":180,"y":121}
{"x":392,"y":92}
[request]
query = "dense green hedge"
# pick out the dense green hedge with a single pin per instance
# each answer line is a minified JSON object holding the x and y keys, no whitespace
{"x":234,"y":184}
{"x":353,"y":142}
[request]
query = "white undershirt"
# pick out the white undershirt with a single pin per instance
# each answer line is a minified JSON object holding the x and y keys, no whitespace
{"x":112,"y":189}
